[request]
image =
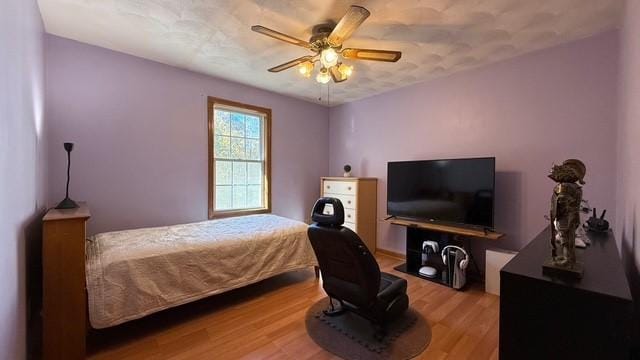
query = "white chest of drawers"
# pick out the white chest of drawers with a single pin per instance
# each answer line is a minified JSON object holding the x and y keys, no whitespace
{"x":359,"y":198}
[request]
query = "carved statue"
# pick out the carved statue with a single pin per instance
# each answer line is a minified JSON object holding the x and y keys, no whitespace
{"x":565,"y":215}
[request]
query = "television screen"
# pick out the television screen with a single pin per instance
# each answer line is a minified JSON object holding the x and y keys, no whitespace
{"x":456,"y":190}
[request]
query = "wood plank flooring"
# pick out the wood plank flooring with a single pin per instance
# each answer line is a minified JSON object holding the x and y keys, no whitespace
{"x":266,"y":321}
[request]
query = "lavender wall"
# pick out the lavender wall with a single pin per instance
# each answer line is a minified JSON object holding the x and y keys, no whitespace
{"x":140,"y":130}
{"x":628,"y":193}
{"x":528,"y":112}
{"x":21,"y":167}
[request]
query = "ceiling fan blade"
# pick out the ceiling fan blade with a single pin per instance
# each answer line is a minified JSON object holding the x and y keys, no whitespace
{"x":336,"y":75}
{"x":280,"y":36}
{"x":354,"y":17}
{"x":372,"y":54}
{"x":291,"y":63}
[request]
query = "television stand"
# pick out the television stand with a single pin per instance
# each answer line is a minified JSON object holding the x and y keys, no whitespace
{"x":419,"y":231}
{"x":450,"y":229}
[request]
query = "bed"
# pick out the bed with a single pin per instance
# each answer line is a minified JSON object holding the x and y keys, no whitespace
{"x":134,"y":273}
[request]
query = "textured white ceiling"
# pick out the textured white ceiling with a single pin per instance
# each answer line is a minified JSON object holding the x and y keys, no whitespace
{"x":437,"y":37}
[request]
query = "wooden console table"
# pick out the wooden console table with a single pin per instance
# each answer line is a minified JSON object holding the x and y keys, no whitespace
{"x":418,"y":231}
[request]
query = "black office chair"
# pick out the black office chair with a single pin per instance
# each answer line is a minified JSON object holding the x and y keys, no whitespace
{"x":350,"y":274}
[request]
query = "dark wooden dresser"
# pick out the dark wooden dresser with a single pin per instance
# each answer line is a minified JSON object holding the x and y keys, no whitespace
{"x":545,"y":317}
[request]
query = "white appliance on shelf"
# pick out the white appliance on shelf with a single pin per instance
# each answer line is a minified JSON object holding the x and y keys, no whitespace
{"x":429,"y":248}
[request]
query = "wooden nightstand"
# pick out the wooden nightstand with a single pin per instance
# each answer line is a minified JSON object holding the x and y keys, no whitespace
{"x":64,"y":302}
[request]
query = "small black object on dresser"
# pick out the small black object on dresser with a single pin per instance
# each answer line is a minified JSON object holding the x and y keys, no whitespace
{"x":67,"y":203}
{"x":598,"y":224}
{"x":555,"y":317}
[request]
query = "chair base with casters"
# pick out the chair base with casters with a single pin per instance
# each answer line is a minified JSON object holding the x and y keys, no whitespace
{"x":350,"y":273}
{"x":385,"y":311}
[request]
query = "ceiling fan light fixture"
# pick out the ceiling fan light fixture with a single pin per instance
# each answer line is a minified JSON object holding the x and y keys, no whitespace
{"x":305,"y":69}
{"x":323,"y":76}
{"x":326,"y":43}
{"x":328,"y":57}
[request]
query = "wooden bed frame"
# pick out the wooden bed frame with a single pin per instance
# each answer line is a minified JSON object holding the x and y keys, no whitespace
{"x":64,"y":303}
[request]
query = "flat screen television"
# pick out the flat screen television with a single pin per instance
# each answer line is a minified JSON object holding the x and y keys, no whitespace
{"x":458,"y":191}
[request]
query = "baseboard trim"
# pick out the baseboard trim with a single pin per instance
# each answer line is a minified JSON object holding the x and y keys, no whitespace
{"x":390,"y":253}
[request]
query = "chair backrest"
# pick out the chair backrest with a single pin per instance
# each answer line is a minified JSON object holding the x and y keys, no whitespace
{"x":349,"y":270}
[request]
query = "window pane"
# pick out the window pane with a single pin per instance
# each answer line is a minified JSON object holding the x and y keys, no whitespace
{"x":237,"y":148}
{"x":254,"y":173}
{"x":253,"y":126}
{"x":239,"y":196}
{"x":253,"y":149}
{"x":239,"y":173}
{"x":223,"y":172}
{"x":221,"y":147}
{"x":221,"y":120}
{"x":223,"y":198}
{"x":239,"y":154}
{"x":254,"y":196}
{"x":237,"y":124}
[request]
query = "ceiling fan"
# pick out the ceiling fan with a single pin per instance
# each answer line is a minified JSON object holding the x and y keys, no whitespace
{"x":326,"y":44}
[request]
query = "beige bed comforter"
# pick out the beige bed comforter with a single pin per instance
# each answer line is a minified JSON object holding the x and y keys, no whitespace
{"x":134,"y":273}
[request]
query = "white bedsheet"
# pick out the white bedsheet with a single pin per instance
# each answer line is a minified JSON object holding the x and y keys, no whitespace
{"x":134,"y":273}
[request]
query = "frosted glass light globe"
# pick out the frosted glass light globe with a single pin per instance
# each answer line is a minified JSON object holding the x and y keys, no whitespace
{"x":323,"y":76}
{"x":328,"y":57}
{"x":345,"y":70}
{"x":305,"y":69}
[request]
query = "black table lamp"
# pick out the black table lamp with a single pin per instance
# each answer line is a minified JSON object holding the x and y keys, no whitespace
{"x":67,"y":203}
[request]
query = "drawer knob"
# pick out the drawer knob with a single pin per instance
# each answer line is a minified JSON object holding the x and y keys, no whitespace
{"x":349,"y":215}
{"x":349,"y":188}
{"x":348,"y":201}
{"x":328,"y":187}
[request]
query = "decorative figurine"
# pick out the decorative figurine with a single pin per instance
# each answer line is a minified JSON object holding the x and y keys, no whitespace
{"x":347,"y":170}
{"x":565,"y":217}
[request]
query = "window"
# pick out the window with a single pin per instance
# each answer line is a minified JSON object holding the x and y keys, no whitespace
{"x":239,"y":158}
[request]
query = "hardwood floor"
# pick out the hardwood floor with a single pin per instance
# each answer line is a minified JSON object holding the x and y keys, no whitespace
{"x":266,"y":321}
